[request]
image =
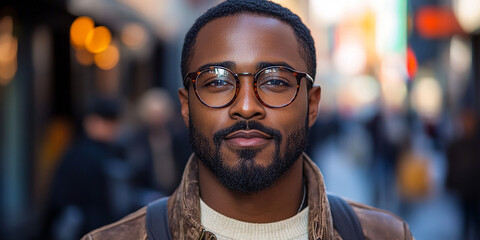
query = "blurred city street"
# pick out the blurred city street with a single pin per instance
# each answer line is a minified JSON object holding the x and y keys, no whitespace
{"x":89,"y":107}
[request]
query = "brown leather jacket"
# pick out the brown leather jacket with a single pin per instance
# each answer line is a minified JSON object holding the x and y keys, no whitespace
{"x":184,"y":214}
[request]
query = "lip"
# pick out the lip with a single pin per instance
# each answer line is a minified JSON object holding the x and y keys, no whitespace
{"x":247,"y":138}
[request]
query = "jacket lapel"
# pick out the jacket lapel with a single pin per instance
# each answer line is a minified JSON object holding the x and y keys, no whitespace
{"x":319,"y":217}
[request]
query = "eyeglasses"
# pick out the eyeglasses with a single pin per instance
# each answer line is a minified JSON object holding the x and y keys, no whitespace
{"x":275,"y":86}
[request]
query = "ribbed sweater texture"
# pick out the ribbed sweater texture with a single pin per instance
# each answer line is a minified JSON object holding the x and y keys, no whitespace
{"x":226,"y":228}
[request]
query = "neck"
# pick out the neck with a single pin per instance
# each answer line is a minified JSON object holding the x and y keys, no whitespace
{"x":261,"y":207}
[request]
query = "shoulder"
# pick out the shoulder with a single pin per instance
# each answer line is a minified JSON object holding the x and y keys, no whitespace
{"x":380,"y":224}
{"x":129,"y":227}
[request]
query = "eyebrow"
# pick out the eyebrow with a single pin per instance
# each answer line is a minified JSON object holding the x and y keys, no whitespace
{"x":225,"y":64}
{"x":231,"y":65}
{"x":262,"y":65}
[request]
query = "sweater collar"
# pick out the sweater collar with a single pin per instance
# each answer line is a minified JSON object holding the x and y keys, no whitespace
{"x":186,"y":203}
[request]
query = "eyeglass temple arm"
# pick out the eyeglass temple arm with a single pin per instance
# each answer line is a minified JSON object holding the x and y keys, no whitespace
{"x":309,"y":78}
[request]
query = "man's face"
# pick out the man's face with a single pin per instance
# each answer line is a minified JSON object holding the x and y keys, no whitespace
{"x":246,"y":144}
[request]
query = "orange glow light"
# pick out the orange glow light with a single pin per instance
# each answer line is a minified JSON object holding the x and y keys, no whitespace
{"x":8,"y":51}
{"x":8,"y":48}
{"x":436,"y":22}
{"x":107,"y":59}
{"x":84,"y":57}
{"x":7,"y":72}
{"x":79,"y":31}
{"x":98,"y":39}
{"x":411,"y":63}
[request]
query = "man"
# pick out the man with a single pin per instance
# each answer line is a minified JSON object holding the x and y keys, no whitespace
{"x":79,"y":199}
{"x":156,"y":149}
{"x":463,"y":157}
{"x":249,"y":102}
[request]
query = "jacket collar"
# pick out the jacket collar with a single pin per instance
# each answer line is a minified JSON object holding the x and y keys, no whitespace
{"x":184,"y":205}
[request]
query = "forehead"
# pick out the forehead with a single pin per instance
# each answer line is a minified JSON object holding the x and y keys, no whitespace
{"x":246,"y":40}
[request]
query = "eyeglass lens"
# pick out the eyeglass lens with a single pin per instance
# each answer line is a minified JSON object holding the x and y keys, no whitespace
{"x":275,"y":86}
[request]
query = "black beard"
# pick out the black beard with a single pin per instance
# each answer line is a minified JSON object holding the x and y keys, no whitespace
{"x":246,"y":176}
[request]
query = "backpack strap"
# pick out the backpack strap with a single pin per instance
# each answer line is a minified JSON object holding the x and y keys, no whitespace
{"x":157,"y":220}
{"x":344,"y":219}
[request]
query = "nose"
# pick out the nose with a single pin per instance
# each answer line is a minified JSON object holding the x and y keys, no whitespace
{"x":246,"y":105}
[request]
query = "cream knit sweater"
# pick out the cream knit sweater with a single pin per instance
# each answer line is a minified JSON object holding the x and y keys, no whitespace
{"x":225,"y":228}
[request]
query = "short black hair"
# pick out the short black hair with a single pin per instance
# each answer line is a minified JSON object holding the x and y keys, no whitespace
{"x":257,"y":7}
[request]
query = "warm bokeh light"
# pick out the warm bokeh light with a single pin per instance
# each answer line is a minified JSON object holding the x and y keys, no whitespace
{"x":427,"y":97}
{"x":392,"y":79}
{"x":8,"y":51}
{"x":107,"y":59}
{"x":98,"y":39}
{"x":84,"y":57}
{"x":6,"y":25}
{"x":413,"y":175}
{"x":134,"y":36}
{"x":412,"y":64}
{"x":460,"y":55}
{"x":7,"y":72}
{"x":8,"y":48}
{"x":79,"y":31}
{"x":331,"y":12}
{"x":350,"y":57}
{"x":394,"y":94}
{"x":468,"y":14}
{"x":436,"y":22}
{"x":365,"y":89}
{"x":358,"y":93}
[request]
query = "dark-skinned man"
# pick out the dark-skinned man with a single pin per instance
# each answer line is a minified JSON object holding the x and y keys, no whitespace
{"x":249,"y":102}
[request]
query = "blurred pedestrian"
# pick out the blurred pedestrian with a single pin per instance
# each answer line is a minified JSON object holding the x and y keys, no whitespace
{"x":79,"y":198}
{"x":157,"y":151}
{"x":463,"y":177}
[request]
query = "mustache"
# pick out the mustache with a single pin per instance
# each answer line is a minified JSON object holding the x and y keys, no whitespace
{"x":246,"y":125}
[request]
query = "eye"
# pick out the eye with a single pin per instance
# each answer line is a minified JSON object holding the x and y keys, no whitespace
{"x":217,"y":83}
{"x":276,"y":82}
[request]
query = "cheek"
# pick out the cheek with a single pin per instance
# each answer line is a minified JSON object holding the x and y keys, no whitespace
{"x":289,"y":121}
{"x":207,"y":120}
{"x":294,"y":115}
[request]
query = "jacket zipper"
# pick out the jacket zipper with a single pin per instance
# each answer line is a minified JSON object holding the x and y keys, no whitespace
{"x":203,"y":235}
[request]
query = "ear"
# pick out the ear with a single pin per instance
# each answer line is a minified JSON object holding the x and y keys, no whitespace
{"x":183,"y":97}
{"x":314,"y":95}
